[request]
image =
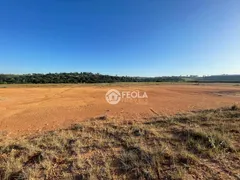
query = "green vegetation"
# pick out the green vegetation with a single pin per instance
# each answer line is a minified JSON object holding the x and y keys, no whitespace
{"x":77,"y":78}
{"x":203,"y":145}
{"x":85,"y":77}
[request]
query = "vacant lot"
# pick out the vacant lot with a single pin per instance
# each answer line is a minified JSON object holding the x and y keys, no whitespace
{"x":34,"y":109}
{"x":201,"y":145}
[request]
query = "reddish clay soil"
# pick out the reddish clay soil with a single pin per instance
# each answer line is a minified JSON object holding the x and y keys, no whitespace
{"x":35,"y":109}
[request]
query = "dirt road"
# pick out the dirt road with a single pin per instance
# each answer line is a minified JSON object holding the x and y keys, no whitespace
{"x":27,"y":110}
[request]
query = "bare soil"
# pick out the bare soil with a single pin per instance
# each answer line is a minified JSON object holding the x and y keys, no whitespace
{"x":35,"y":109}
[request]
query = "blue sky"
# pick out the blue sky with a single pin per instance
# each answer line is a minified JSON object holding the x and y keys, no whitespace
{"x":123,"y":37}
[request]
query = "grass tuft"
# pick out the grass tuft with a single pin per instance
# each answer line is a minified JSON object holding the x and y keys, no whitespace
{"x":234,"y":107}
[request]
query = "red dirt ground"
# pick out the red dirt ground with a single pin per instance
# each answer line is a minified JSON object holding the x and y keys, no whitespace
{"x":35,"y":109}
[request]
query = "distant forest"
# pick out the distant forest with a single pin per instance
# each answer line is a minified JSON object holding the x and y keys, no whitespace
{"x":82,"y":77}
{"x":86,"y":77}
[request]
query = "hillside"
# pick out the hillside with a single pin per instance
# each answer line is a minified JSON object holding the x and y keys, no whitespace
{"x":217,"y":78}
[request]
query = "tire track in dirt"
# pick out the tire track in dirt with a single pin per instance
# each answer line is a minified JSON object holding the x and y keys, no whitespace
{"x":24,"y":107}
{"x":47,"y":98}
{"x":36,"y":107}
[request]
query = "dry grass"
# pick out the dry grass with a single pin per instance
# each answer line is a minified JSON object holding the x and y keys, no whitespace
{"x":204,"y":145}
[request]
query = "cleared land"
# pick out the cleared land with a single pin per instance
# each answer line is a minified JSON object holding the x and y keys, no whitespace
{"x":35,"y":109}
{"x":200,"y":145}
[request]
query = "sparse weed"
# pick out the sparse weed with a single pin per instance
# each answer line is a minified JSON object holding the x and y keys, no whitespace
{"x":163,"y":148}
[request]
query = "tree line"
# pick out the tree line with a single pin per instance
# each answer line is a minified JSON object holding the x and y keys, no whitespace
{"x":83,"y":77}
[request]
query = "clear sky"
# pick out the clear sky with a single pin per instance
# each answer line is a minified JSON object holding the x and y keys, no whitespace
{"x":123,"y":37}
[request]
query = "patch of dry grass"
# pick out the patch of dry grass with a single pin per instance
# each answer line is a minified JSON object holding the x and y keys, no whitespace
{"x":204,"y":145}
